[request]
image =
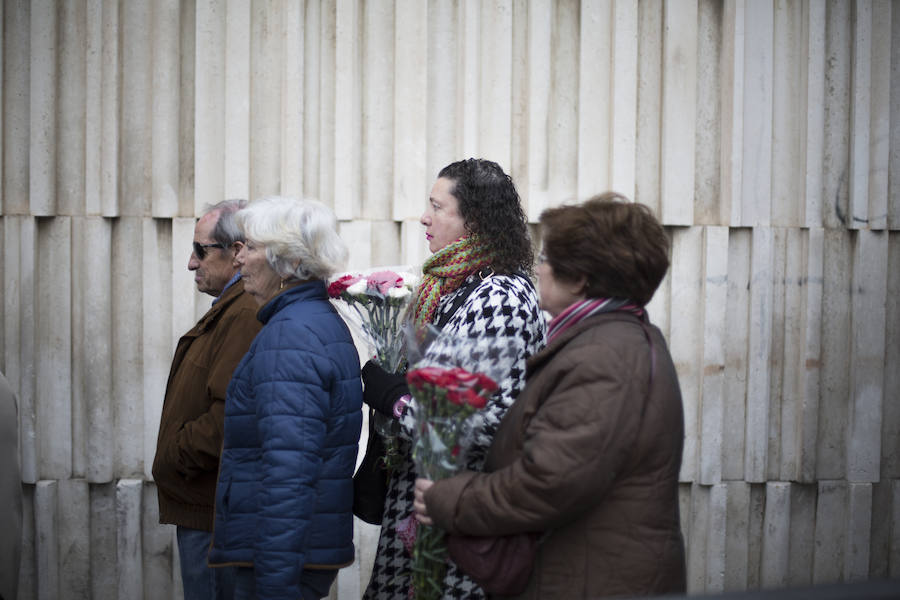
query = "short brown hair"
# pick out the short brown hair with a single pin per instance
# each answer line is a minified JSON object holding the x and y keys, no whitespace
{"x":617,"y":246}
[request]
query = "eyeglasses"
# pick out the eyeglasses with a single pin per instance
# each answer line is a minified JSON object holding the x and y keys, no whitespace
{"x":541,"y":258}
{"x":200,"y":249}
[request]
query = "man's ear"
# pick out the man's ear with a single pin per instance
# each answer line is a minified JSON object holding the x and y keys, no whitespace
{"x":235,"y":248}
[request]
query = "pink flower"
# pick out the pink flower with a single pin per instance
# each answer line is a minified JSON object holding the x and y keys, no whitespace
{"x":339,"y":285}
{"x":406,"y":531}
{"x":383,"y":281}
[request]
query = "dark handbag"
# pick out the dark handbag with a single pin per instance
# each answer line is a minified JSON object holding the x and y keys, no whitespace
{"x":370,"y":482}
{"x":500,"y":564}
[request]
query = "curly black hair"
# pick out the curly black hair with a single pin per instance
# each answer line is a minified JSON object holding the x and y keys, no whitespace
{"x":490,"y":207}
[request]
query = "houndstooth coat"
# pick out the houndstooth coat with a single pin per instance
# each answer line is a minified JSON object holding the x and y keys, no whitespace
{"x":500,"y":306}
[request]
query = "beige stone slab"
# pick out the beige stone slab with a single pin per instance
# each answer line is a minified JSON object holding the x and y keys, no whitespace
{"x":533,"y":178}
{"x":699,"y":539}
{"x":127,"y":332}
{"x":813,"y":143}
{"x":413,"y":248}
{"x":880,"y":543}
{"x":624,"y":97}
{"x":779,"y":312}
{"x":70,"y":109}
{"x":411,"y":182}
{"x":348,"y":110}
{"x":733,"y":39}
{"x":495,"y":85}
{"x":19,"y":314}
{"x":563,"y":160}
{"x":756,"y":521}
{"x":596,"y":89}
{"x":74,"y":507}
{"x":104,"y":546}
{"x":775,"y":558}
{"x":736,"y":354}
{"x":836,"y":100}
{"x":312,"y":96}
{"x":859,"y":531}
{"x":469,"y":77}
{"x":43,"y":96}
{"x":93,"y":106}
{"x":156,"y":341}
{"x":292,"y":110}
{"x":736,"y":536}
{"x":860,"y":114}
{"x":893,"y":203}
{"x":707,"y":149}
{"x":16,"y":109}
{"x":812,"y":311}
{"x":789,"y":108}
{"x":28,"y":565}
{"x":266,"y":104}
{"x":158,"y":567}
{"x":894,"y":561}
{"x":110,"y":114}
{"x":235,"y":56}
{"x":135,"y":99}
{"x":53,"y":348}
{"x":183,"y":286}
{"x":165,"y":108}
{"x":890,"y":430}
{"x":686,"y":338}
{"x":880,"y":113}
{"x":715,"y":303}
{"x":679,"y":76}
{"x":802,"y":536}
{"x":210,"y":102}
{"x":46,"y":539}
{"x":867,"y":353}
{"x":377,"y":187}
{"x":758,"y":361}
{"x":129,"y":555}
{"x":717,"y":541}
{"x":831,"y":532}
{"x":649,"y":110}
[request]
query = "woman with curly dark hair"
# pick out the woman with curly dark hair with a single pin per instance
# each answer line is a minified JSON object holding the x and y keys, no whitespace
{"x":474,"y":285}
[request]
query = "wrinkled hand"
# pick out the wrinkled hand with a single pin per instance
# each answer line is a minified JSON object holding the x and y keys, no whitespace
{"x":421,"y":510}
{"x":382,"y":389}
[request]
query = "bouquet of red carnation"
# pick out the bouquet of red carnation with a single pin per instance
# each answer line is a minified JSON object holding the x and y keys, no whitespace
{"x":445,"y":397}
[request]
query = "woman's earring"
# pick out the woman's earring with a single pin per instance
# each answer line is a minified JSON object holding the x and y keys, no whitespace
{"x":281,"y":287}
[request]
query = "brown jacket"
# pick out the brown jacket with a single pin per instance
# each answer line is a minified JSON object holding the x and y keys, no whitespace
{"x":191,"y":427}
{"x":590,"y":456}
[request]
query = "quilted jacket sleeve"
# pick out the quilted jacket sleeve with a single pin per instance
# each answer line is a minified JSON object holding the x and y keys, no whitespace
{"x":291,"y":387}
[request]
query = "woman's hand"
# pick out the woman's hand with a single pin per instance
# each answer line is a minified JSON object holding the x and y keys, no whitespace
{"x":422,"y":486}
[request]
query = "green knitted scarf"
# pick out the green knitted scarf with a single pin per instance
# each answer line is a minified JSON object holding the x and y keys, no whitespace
{"x":444,"y":272}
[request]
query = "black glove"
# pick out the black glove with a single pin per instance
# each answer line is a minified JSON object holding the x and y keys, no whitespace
{"x":382,"y":389}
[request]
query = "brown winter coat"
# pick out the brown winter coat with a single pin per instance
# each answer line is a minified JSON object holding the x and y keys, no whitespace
{"x":588,"y":456}
{"x":191,"y":427}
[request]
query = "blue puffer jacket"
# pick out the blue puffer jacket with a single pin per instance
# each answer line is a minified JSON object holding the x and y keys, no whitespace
{"x":292,"y":422}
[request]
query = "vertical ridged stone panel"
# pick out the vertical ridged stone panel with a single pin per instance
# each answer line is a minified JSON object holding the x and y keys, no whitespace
{"x":533,"y":174}
{"x":759,"y":347}
{"x":737,"y":529}
{"x":53,"y":357}
{"x":649,"y":109}
{"x":110,"y":113}
{"x":16,"y":107}
{"x":831,"y":531}
{"x":348,"y":110}
{"x":93,"y":106}
{"x":836,"y":100}
{"x":183,"y":285}
{"x":733,"y":38}
{"x":234,"y":107}
{"x":716,"y":541}
{"x":129,"y":556}
{"x":495,"y":86}
{"x":378,"y":103}
{"x":686,"y":337}
{"x":802,"y":542}
{"x":679,"y":99}
{"x":699,"y":538}
{"x":156,"y":341}
{"x":266,"y":101}
{"x":776,"y":535}
{"x":859,"y":532}
{"x":867,"y":352}
{"x":136,"y":108}
{"x":46,"y":539}
{"x":756,"y":179}
{"x":411,"y":182}
{"x":104,"y":542}
{"x":43,"y":97}
{"x":293,"y":103}
{"x":736,"y":353}
{"x":879,"y":113}
{"x":70,"y":115}
{"x":708,"y":201}
{"x":127,"y":382}
{"x":624,"y":97}
{"x":860,"y":113}
{"x":210,"y":174}
{"x":813,"y":33}
{"x":165,"y":155}
{"x":788,"y":114}
{"x":74,"y":539}
{"x":890,"y":430}
{"x":715,"y":302}
{"x":595,"y":101}
{"x":157,"y":542}
{"x":563,"y":158}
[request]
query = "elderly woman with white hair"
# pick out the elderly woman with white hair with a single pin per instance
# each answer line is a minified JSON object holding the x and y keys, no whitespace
{"x":292,"y":413}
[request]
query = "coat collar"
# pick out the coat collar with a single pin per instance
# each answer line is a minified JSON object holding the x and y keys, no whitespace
{"x":536,"y":361}
{"x":228,"y":297}
{"x":311,"y":290}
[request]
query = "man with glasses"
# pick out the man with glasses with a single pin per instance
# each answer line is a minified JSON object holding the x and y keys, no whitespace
{"x":191,"y":427}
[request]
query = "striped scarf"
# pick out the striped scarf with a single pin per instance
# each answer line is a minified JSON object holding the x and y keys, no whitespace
{"x":444,"y":272}
{"x":585,"y":308}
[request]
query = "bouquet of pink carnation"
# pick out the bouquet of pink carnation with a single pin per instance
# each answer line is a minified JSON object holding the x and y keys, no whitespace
{"x":447,"y":400}
{"x":378,"y":301}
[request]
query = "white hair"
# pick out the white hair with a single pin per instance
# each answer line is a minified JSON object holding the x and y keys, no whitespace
{"x":299,"y":235}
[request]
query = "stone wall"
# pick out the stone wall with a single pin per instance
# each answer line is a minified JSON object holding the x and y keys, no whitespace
{"x":765,"y":134}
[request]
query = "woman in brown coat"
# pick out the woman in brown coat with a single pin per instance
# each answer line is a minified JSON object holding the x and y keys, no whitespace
{"x":589,"y":453}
